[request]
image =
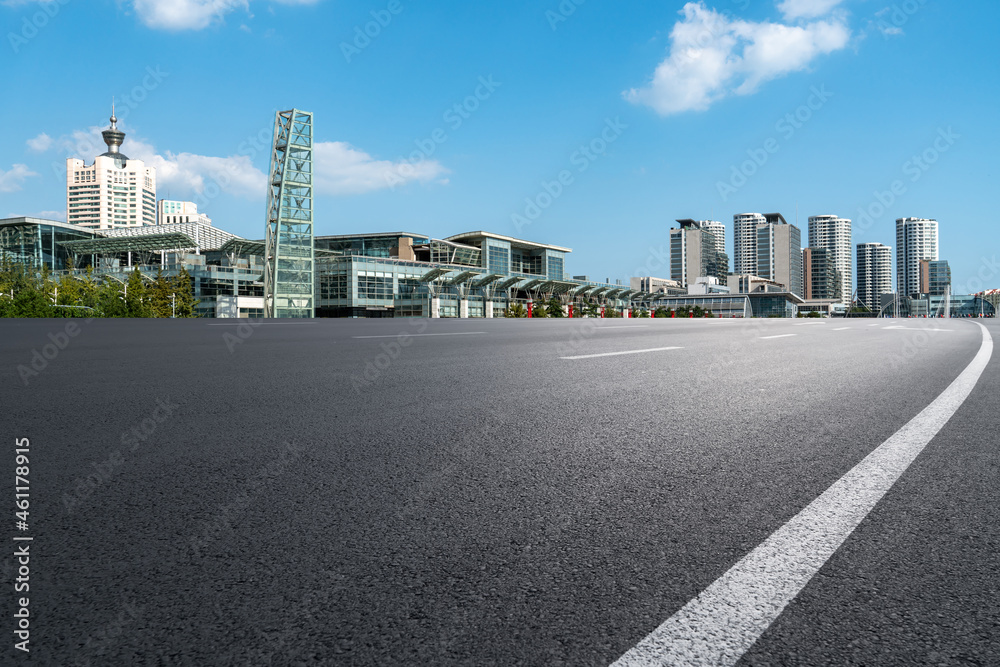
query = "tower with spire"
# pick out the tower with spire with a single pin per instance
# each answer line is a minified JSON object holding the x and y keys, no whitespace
{"x":113,"y":192}
{"x":114,"y":137}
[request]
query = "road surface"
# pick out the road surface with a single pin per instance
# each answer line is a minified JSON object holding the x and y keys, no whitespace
{"x":500,"y":492}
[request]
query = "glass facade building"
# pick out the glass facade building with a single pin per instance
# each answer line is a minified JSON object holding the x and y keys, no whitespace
{"x":289,"y":260}
{"x":34,"y":242}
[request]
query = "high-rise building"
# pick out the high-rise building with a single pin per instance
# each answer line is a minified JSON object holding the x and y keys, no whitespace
{"x":745,"y":242}
{"x":170,"y":212}
{"x":779,"y":254}
{"x":834,"y":234}
{"x":874,"y":274}
{"x":916,"y":239}
{"x":820,"y":276}
{"x":289,"y":261}
{"x":113,"y":192}
{"x":935,"y":277}
{"x":694,"y":254}
{"x":717,"y":228}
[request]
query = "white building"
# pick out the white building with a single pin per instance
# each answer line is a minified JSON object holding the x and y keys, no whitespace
{"x":874,"y":273}
{"x":745,"y":242}
{"x":171,"y":212}
{"x":916,"y":239}
{"x":834,"y":234}
{"x":113,"y":192}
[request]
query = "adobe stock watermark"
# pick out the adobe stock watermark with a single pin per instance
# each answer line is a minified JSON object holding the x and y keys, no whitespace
{"x":582,"y":159}
{"x":787,"y":126}
{"x":243,"y":333}
{"x":131,"y":440}
{"x":390,"y":351}
{"x":915,"y":167}
{"x":40,"y":359}
{"x":89,"y":144}
{"x":363,"y":35}
{"x":221,"y":179}
{"x":32,"y":25}
{"x":455,"y":116}
{"x":225,"y":517}
{"x":562,"y":12}
{"x":989,"y":268}
{"x":107,"y":636}
{"x":892,"y":19}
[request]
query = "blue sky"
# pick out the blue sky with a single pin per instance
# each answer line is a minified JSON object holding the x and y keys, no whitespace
{"x":645,"y":111}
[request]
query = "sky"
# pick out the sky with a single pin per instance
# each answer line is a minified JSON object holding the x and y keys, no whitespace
{"x":588,"y":124}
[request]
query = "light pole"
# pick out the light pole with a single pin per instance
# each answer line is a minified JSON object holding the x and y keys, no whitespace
{"x":173,"y":303}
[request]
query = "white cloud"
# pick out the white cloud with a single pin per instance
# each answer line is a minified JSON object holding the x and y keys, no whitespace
{"x":13,"y":179}
{"x":339,"y":168}
{"x":342,"y":169}
{"x":806,"y":9}
{"x":713,"y":56}
{"x":193,"y":14}
{"x":41,"y":143}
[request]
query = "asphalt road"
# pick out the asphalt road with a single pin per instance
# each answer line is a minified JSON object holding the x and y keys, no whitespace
{"x":487,"y":492}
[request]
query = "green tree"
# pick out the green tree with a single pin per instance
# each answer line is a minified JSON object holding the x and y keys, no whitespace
{"x":538,"y":310}
{"x":161,"y":295}
{"x":110,"y":299}
{"x":516,"y":310}
{"x":136,"y":297}
{"x":184,"y":301}
{"x":555,"y":308}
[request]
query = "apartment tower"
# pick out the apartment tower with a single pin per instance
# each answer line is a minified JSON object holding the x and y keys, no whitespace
{"x":874,"y":273}
{"x":916,"y":239}
{"x":834,"y":235}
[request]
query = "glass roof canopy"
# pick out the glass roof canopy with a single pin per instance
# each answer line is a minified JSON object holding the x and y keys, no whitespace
{"x":149,"y":243}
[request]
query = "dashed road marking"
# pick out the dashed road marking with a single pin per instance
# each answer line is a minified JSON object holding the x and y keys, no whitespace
{"x":616,"y":354}
{"x":779,"y":336}
{"x":452,"y":333}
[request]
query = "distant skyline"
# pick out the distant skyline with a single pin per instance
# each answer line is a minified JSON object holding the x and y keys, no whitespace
{"x":553,"y":121}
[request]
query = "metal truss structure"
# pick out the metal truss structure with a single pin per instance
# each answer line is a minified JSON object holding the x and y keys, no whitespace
{"x":289,"y":266}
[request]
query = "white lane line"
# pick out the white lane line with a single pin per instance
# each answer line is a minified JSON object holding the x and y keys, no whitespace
{"x":252,"y":323}
{"x":627,"y":326}
{"x":875,"y":325}
{"x":779,"y":336}
{"x":615,"y":354}
{"x":802,"y":324}
{"x":912,"y":329}
{"x":842,"y":329}
{"x":453,"y":333}
{"x":718,"y":626}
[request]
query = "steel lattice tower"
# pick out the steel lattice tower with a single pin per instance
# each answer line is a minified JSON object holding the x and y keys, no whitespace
{"x":289,"y":266}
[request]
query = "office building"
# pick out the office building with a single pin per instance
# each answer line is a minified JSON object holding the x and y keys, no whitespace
{"x":935,"y":277}
{"x":916,"y":239}
{"x":717,"y":228}
{"x":113,"y":192}
{"x":171,"y":212}
{"x":779,"y":255}
{"x":874,"y":274}
{"x":650,"y":284}
{"x":833,"y":234}
{"x":820,"y":276}
{"x":694,"y":253}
